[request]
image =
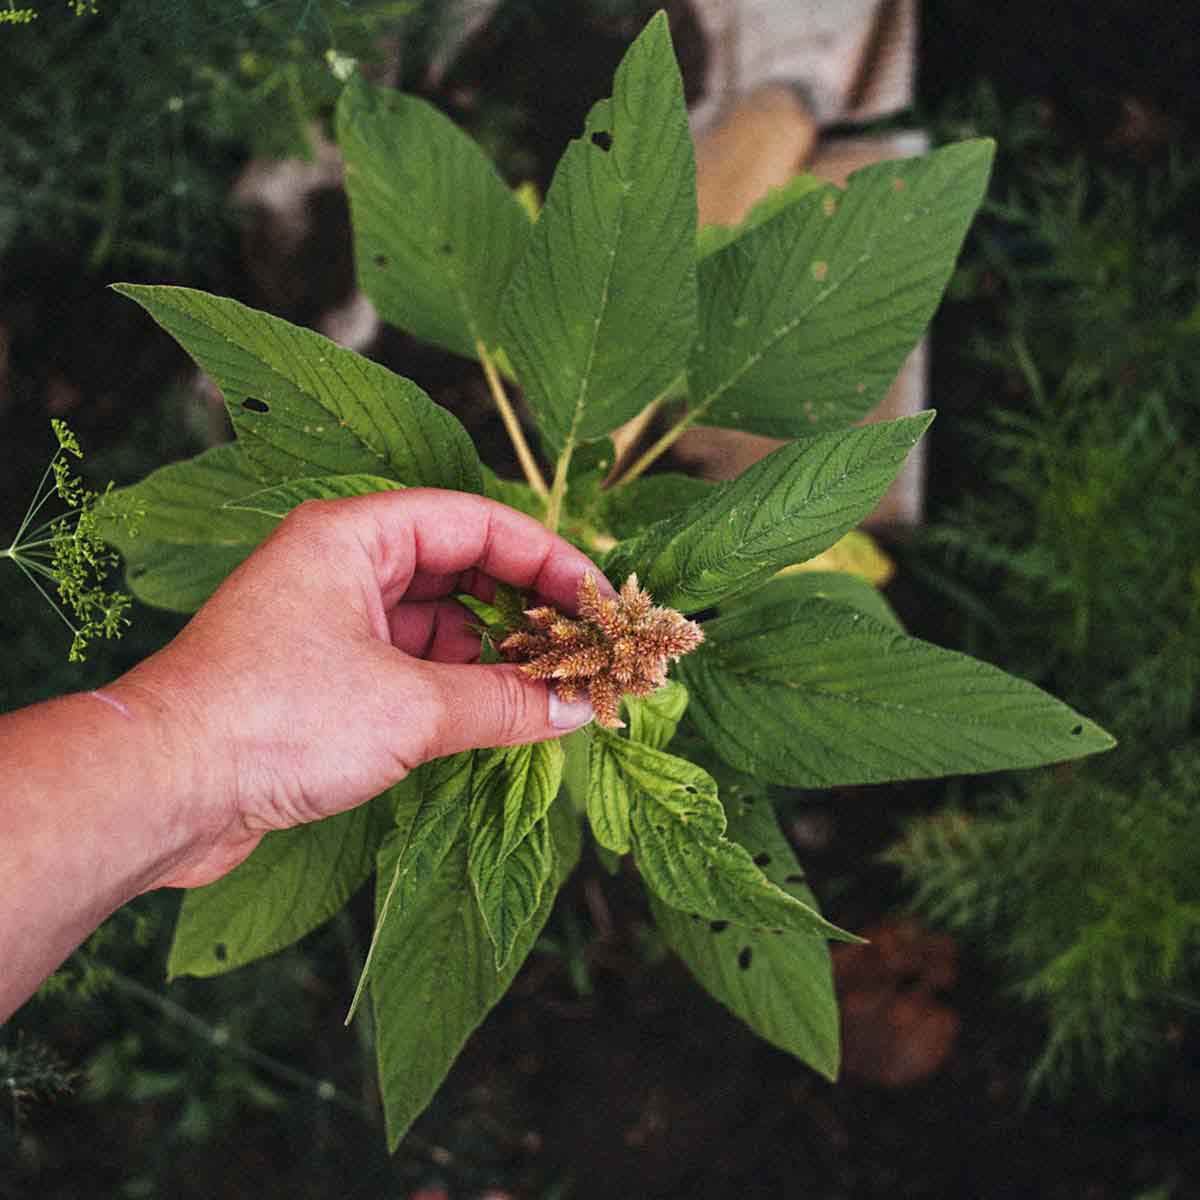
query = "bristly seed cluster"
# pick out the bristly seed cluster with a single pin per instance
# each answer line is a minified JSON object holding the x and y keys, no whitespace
{"x":612,"y":647}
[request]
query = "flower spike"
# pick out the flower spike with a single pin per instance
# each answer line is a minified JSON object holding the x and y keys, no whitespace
{"x":612,"y":647}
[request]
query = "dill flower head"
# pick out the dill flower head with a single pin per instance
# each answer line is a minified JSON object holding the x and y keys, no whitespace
{"x":612,"y":647}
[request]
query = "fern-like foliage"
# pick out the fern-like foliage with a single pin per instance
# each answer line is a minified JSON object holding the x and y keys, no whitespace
{"x":1075,"y":560}
{"x":124,"y":126}
{"x":1088,"y":892}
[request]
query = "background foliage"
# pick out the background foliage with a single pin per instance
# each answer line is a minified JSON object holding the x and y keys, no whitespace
{"x":1079,"y":565}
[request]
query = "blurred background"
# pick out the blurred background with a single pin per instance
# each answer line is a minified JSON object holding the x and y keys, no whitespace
{"x":1025,"y":1021}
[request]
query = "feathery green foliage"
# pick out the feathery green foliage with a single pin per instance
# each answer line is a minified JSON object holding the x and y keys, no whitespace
{"x":125,"y":124}
{"x":1076,"y":562}
{"x":68,"y":551}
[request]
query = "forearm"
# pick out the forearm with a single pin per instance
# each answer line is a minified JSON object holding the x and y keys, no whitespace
{"x":97,"y":804}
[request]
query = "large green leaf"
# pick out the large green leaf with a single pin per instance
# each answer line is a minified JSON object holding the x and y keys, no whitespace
{"x":509,"y":855}
{"x":712,"y":238}
{"x":609,"y":800}
{"x":601,"y":311}
{"x":436,"y":231}
{"x":679,"y":844}
{"x":293,"y":881}
{"x":436,"y":976}
{"x":430,"y":809}
{"x":625,"y":511}
{"x":806,"y":319}
{"x":653,"y":719}
{"x":304,"y":406}
{"x":780,"y":984}
{"x":513,"y":493}
{"x":851,"y":590}
{"x":187,"y":540}
{"x":813,"y":693}
{"x":279,"y":500}
{"x":786,"y":508}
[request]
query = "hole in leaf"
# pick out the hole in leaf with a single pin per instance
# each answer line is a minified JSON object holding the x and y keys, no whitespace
{"x":381,"y":260}
{"x":762,"y":860}
{"x":1077,"y":730}
{"x":745,"y":954}
{"x":220,"y":952}
{"x":718,"y":926}
{"x":603,"y":139}
{"x":254,"y":404}
{"x":690,"y":788}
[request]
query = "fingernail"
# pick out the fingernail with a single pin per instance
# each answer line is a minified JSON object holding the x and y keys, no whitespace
{"x":569,"y":714}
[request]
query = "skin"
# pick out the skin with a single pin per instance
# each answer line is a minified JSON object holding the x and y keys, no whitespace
{"x":324,"y":669}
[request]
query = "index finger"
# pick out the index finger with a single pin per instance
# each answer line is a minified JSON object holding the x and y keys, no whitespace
{"x":431,"y":533}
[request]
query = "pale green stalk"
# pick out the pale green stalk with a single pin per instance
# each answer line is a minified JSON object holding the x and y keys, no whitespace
{"x":512,"y":426}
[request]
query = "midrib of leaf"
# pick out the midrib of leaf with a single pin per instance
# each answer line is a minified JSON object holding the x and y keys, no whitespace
{"x":364,"y":974}
{"x":385,"y":909}
{"x":585,"y":380}
{"x":748,"y":546}
{"x":302,"y":380}
{"x":789,"y":327}
{"x":772,"y":340}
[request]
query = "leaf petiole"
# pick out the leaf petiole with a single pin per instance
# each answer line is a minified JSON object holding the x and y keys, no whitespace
{"x":660,"y":447}
{"x":559,"y":490}
{"x":512,"y":426}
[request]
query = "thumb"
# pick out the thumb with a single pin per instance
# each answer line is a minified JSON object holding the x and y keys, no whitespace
{"x":475,"y":706}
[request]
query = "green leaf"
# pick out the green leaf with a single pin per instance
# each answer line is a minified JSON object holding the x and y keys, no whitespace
{"x":678,"y":828}
{"x":784,"y":509}
{"x":509,"y":854}
{"x":513,"y":493}
{"x":609,"y":799}
{"x":279,"y":500}
{"x":436,"y":976}
{"x":806,"y":320}
{"x":187,"y":541}
{"x":304,"y":406}
{"x":576,"y":772}
{"x":437,"y":232}
{"x":839,"y":586}
{"x":625,"y":511}
{"x":653,"y":719}
{"x":812,"y":693}
{"x":295,"y":880}
{"x":780,"y":984}
{"x":716,"y":237}
{"x":430,"y":810}
{"x":601,"y":312}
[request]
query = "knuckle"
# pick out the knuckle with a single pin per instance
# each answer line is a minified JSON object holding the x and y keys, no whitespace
{"x":517,"y":718}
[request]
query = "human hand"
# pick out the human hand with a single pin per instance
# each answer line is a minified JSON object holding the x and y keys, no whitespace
{"x":334,"y":660}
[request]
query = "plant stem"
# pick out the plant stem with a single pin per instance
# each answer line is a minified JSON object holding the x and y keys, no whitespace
{"x":511,"y":424}
{"x":559,"y":489}
{"x":625,"y":438}
{"x":660,"y":447}
{"x":324,"y":1089}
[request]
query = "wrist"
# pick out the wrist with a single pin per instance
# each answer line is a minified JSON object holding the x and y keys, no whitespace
{"x":193,"y":807}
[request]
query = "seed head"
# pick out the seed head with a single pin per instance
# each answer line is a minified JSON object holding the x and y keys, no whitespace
{"x":612,"y":647}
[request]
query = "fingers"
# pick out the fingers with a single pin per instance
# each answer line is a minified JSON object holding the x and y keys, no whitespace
{"x":424,"y":538}
{"x":440,"y":630}
{"x":477,"y":706}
